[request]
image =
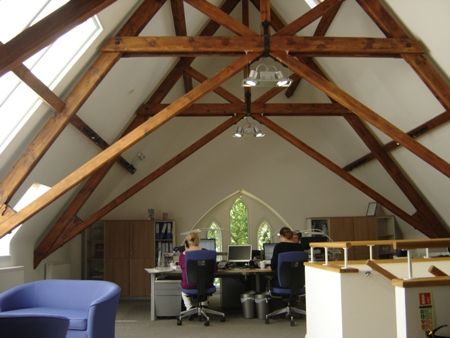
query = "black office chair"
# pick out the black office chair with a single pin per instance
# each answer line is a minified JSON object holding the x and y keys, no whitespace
{"x":291,"y":283}
{"x":19,"y":325}
{"x":200,"y":268}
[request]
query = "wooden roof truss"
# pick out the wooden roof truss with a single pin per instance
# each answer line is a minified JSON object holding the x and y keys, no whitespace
{"x":296,"y":52}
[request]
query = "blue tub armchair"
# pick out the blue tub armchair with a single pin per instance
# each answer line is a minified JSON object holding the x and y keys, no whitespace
{"x":89,"y":305}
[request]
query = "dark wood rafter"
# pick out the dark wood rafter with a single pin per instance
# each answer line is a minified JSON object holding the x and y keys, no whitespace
{"x":321,"y":29}
{"x":420,"y":63}
{"x":179,"y":21}
{"x":221,"y":17}
{"x":295,"y":45}
{"x":294,"y":51}
{"x":92,"y":135}
{"x":424,"y":214}
{"x":220,"y":91}
{"x":38,"y":87}
{"x":77,"y":227}
{"x":44,"y":32}
{"x":363,"y":112}
{"x":54,"y":126}
{"x":423,"y":129}
{"x":69,"y":217}
{"x":58,"y":105}
{"x":265,"y":10}
{"x":123,"y":144}
{"x":342,"y":173}
{"x":174,"y":75}
{"x":308,"y":18}
{"x":268,"y":109}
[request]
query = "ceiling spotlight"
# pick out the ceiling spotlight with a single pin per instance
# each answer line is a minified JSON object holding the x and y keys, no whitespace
{"x":266,"y":76}
{"x":248,"y":129}
{"x":239,"y":132}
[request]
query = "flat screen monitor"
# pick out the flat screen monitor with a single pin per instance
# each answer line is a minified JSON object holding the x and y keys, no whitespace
{"x":239,"y":253}
{"x":208,"y":244}
{"x":268,"y":250}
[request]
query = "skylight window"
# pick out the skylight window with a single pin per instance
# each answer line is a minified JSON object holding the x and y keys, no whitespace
{"x":313,"y":3}
{"x":17,"y":101}
{"x":35,"y":191}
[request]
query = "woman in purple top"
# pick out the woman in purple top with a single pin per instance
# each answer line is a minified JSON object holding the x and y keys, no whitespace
{"x":191,"y":243}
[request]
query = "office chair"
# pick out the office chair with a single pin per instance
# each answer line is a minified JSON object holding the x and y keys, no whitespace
{"x":200,"y":268}
{"x":291,"y":283}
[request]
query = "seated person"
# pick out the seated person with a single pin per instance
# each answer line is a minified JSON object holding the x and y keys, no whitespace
{"x":191,"y":243}
{"x":286,"y":244}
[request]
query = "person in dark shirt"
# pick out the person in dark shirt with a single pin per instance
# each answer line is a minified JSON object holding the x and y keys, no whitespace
{"x":286,"y":244}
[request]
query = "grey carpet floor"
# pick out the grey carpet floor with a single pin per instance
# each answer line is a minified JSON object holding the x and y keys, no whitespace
{"x":133,"y":321}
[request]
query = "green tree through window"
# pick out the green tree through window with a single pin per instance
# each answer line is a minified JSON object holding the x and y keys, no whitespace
{"x":263,"y":235}
{"x":239,"y":222}
{"x":215,"y":233}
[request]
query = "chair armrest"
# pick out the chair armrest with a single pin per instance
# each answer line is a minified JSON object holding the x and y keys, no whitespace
{"x":16,"y":298}
{"x":102,"y":314}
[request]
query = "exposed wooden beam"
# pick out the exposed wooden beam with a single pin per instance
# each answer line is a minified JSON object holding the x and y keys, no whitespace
{"x":265,"y":10}
{"x":268,"y":109}
{"x":309,"y":17}
{"x":68,"y":217}
{"x":434,"y":79}
{"x":275,"y":21}
{"x":340,"y":172}
{"x":173,"y":76}
{"x":77,"y":227}
{"x":39,"y":87}
{"x":321,"y":29}
{"x":220,"y":90}
{"x":363,"y":112}
{"x":327,"y":19}
{"x":424,"y":128}
{"x":91,"y":134}
{"x":296,"y":45}
{"x":123,"y":144}
{"x":424,"y":214}
{"x":6,"y":210}
{"x":54,"y":126}
{"x":44,"y":32}
{"x":179,"y":21}
{"x":220,"y":17}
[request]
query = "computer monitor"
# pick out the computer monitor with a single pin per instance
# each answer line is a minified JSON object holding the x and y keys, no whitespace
{"x":239,"y":253}
{"x":208,"y":244}
{"x":268,"y":250}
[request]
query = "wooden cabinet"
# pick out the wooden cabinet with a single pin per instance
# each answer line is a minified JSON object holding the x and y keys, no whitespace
{"x":357,"y":228}
{"x":128,"y":250}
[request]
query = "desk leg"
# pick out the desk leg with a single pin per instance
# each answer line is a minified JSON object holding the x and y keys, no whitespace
{"x":152,"y":297}
{"x":257,"y":283}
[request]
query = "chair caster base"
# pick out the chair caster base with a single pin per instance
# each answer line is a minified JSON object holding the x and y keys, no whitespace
{"x":206,"y":323}
{"x":223,"y":319}
{"x":179,"y":322}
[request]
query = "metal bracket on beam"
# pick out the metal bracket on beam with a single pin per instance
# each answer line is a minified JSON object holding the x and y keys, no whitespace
{"x":266,"y":40}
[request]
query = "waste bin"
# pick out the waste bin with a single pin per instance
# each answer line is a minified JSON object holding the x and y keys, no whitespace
{"x":248,"y":304}
{"x":262,"y":305}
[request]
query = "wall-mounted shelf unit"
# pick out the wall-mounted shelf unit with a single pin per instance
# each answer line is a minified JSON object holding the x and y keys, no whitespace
{"x":164,"y":240}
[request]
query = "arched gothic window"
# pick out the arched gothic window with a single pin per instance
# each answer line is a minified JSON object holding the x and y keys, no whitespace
{"x":214,"y":232}
{"x":264,"y":234}
{"x":239,"y":222}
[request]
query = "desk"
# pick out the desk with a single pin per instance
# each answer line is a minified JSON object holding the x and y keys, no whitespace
{"x":155,"y":272}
